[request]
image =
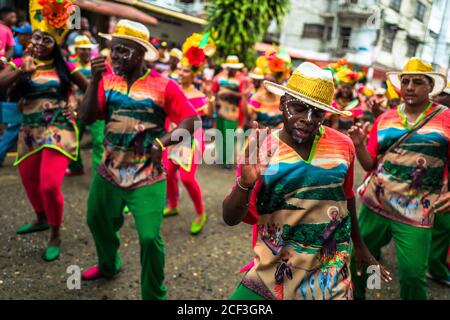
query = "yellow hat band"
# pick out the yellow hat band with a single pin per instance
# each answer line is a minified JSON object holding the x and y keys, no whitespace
{"x":232,"y":61}
{"x":417,"y":65}
{"x":82,"y":42}
{"x":317,"y":89}
{"x":123,"y":30}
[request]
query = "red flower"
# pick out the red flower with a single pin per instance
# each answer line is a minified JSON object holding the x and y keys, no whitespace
{"x":195,"y":56}
{"x":56,"y":12}
{"x":277,"y":65}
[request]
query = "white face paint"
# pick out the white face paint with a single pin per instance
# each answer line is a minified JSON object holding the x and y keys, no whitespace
{"x":309,"y":114}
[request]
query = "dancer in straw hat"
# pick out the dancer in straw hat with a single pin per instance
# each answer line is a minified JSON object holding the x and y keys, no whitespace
{"x":134,"y":101}
{"x":230,"y":89}
{"x":48,"y":139}
{"x":405,"y":188}
{"x":82,"y":62}
{"x":299,"y":192}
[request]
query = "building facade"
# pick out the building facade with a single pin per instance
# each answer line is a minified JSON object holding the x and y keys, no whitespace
{"x":374,"y":35}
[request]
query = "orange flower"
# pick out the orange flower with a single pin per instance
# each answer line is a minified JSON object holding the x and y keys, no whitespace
{"x":277,"y":65}
{"x":56,"y":12}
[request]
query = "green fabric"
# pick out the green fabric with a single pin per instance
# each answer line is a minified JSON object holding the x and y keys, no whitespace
{"x":412,"y":246}
{"x":226,"y":156}
{"x":51,"y":253}
{"x":77,"y":166}
{"x":244,"y":293}
{"x":97,"y":136}
{"x":29,"y":228}
{"x":440,"y":241}
{"x":105,"y":206}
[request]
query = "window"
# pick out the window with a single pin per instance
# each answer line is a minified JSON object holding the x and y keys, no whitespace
{"x":395,"y":4}
{"x":329,"y":33}
{"x":313,"y":31}
{"x":412,"y":48}
{"x":420,"y":11}
{"x":389,"y":33}
{"x":345,"y":35}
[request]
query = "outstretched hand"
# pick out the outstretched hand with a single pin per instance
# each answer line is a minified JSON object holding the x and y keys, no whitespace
{"x":363,"y":257}
{"x":257,"y":154}
{"x":358,"y":133}
{"x":28,"y":63}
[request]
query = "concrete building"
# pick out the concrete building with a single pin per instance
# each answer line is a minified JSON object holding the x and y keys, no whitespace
{"x":374,"y":35}
{"x":437,"y":43}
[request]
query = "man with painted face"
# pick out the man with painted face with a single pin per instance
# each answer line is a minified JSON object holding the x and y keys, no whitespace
{"x":134,"y":101}
{"x":413,"y":176}
{"x":296,"y":183}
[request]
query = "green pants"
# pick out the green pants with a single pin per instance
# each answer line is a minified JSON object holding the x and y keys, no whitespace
{"x":224,"y":153}
{"x":104,"y":218}
{"x":97,"y":134}
{"x":412,"y":246}
{"x":77,"y":166}
{"x":244,"y":293}
{"x":440,"y":240}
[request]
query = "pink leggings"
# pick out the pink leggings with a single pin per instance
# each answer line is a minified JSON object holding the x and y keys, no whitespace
{"x":42,"y":176}
{"x":189,"y":181}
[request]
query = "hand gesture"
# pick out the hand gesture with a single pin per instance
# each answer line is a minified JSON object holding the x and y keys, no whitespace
{"x":98,"y":66}
{"x":358,"y":133}
{"x":68,"y":111}
{"x":442,"y":205}
{"x":363,"y":257}
{"x":375,"y":104}
{"x":257,"y":154}
{"x":28,"y":64}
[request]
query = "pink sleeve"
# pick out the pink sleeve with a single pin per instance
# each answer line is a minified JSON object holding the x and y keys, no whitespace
{"x":215,"y":85}
{"x":372,"y":142}
{"x":176,"y":104}
{"x":10,"y":39}
{"x":71,"y":66}
{"x":16,"y":63}
{"x":254,"y":103}
{"x":101,"y":100}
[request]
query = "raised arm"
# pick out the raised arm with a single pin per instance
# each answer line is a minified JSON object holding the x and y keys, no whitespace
{"x":90,"y":107}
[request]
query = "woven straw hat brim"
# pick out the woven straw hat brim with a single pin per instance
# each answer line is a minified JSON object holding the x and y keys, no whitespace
{"x":281,"y":90}
{"x":151,"y":55}
{"x":256,"y":76}
{"x":440,"y":82}
{"x":82,"y":46}
{"x":233,"y":65}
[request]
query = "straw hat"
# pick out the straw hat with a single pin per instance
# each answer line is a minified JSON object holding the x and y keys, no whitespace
{"x":82,"y":41}
{"x":310,"y":84}
{"x":418,"y":66}
{"x":137,"y":32}
{"x":256,"y":74}
{"x":447,"y":88}
{"x":177,"y":53}
{"x":233,"y":62}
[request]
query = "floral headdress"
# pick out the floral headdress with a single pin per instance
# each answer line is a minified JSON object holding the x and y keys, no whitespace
{"x":276,"y":62}
{"x":195,"y":50}
{"x":51,"y":16}
{"x":342,"y":72}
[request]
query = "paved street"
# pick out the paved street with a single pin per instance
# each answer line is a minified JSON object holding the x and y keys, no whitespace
{"x":202,"y":267}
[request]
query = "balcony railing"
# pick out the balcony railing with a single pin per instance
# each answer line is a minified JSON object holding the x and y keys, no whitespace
{"x":347,"y":9}
{"x":195,"y":8}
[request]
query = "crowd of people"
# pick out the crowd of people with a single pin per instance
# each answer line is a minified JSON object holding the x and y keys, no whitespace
{"x":306,"y":126}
